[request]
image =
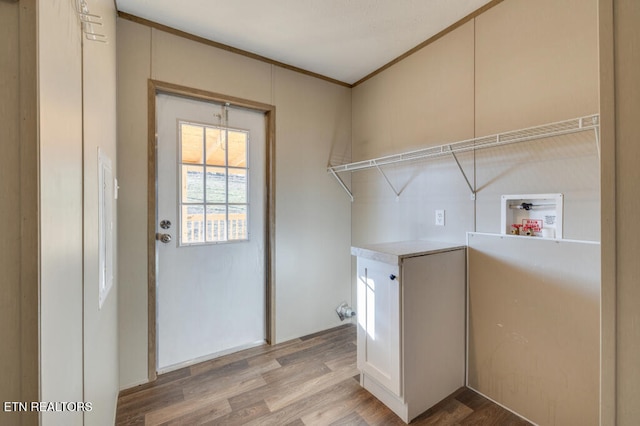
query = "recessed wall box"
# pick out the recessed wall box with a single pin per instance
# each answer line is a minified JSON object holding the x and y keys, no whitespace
{"x":541,"y":214}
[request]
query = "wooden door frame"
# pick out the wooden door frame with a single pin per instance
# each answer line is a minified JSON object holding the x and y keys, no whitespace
{"x":156,"y":87}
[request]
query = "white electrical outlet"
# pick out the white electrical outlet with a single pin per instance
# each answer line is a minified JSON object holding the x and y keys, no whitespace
{"x":439,"y":217}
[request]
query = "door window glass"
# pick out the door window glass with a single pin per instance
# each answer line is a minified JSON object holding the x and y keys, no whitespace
{"x":213,"y":184}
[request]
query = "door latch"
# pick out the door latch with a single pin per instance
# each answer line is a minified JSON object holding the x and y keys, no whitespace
{"x":165,"y":238}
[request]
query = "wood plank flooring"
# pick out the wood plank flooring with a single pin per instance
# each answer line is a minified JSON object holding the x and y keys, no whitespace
{"x":308,"y":381}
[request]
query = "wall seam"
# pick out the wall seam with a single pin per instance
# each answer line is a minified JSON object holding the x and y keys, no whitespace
{"x":151,"y":52}
{"x":82,"y":203}
{"x":475,"y":173}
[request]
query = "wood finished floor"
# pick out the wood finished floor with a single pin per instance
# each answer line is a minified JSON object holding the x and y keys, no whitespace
{"x":308,"y":381}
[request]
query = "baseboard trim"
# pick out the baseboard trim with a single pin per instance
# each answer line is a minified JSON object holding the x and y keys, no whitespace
{"x":502,"y":405}
{"x":209,"y":357}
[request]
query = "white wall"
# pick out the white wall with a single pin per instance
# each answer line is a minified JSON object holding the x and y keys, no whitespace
{"x":312,"y":213}
{"x":134,"y":52}
{"x":78,"y":342}
{"x":60,"y":115}
{"x":313,"y":124}
{"x":100,"y":324}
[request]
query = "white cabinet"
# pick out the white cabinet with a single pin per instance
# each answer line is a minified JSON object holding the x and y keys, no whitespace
{"x":379,"y":322}
{"x":411,"y":322}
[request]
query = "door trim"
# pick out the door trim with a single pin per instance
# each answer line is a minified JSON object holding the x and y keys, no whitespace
{"x":156,"y":87}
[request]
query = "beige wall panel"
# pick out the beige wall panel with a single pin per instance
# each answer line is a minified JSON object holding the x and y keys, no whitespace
{"x":101,"y":380}
{"x":608,"y":213}
{"x":60,"y":84}
{"x":378,"y":215}
{"x":536,"y":62}
{"x":565,"y":164}
{"x":426,"y":99}
{"x":191,"y":64}
{"x":133,"y":62}
{"x":29,"y":210}
{"x":313,"y":124}
{"x":534,"y":326}
{"x":10,"y":380}
{"x":627,"y":70}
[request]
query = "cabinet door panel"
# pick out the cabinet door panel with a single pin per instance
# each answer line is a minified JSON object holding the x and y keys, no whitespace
{"x":379,"y":323}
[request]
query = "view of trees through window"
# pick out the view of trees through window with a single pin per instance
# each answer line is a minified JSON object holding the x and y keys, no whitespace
{"x":213,"y":184}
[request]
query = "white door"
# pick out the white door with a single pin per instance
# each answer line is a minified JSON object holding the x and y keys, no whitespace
{"x":210,"y":200}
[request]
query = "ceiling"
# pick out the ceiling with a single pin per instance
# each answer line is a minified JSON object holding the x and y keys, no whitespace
{"x":344,"y":40}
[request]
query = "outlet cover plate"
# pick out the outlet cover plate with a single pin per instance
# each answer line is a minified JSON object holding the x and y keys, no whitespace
{"x":439,"y":217}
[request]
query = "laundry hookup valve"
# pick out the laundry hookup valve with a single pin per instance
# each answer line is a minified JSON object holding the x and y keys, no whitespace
{"x":345,"y":311}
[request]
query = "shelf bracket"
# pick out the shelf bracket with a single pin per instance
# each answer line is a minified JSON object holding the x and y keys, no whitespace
{"x":597,"y":135}
{"x":342,"y":184}
{"x":388,"y":181}
{"x":473,"y":192}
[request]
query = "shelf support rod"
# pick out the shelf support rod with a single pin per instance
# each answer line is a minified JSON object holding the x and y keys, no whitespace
{"x":473,"y":192}
{"x":342,"y":184}
{"x":388,"y":181}
{"x":597,"y":135}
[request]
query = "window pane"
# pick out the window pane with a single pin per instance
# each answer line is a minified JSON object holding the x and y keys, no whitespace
{"x":237,"y":185}
{"x":216,"y":185}
{"x":214,"y":182}
{"x":238,"y":222}
{"x":216,"y":149}
{"x":192,"y":184}
{"x":216,"y":223}
{"x":237,"y":149}
{"x":192,"y":224}
{"x":191,"y":137}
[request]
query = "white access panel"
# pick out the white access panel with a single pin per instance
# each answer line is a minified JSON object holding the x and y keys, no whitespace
{"x":543,"y":210}
{"x":106,"y":196}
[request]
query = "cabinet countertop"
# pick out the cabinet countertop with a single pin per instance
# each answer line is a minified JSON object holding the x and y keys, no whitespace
{"x":394,"y":252}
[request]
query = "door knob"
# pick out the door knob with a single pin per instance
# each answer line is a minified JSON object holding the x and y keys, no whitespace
{"x":165,"y":238}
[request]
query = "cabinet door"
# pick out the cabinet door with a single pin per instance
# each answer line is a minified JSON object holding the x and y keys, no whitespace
{"x":379,"y":323}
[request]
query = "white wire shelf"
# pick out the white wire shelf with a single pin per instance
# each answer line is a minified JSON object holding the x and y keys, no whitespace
{"x":581,"y":124}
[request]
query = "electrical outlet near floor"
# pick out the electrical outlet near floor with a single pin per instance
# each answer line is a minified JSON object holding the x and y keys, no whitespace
{"x":439,"y":217}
